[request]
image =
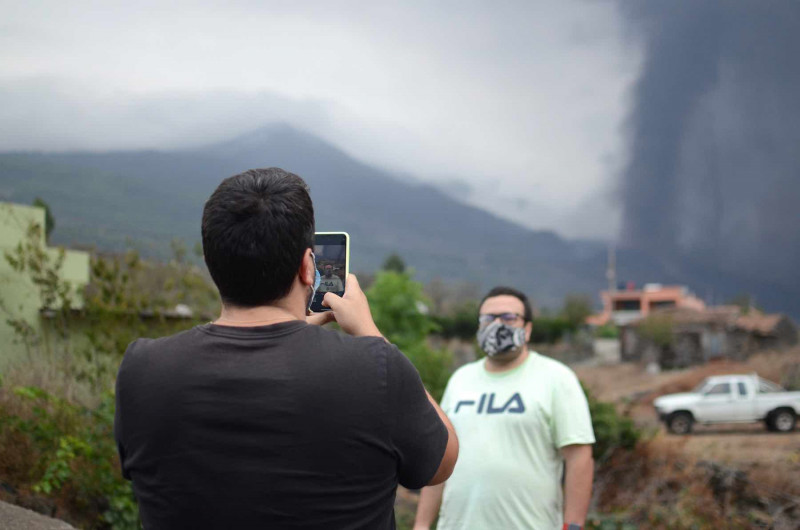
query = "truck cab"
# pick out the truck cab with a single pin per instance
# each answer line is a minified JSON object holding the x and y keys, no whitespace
{"x":730,"y":399}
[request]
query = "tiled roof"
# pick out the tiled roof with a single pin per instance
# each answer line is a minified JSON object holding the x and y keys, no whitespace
{"x":758,"y":322}
{"x":728,"y":315}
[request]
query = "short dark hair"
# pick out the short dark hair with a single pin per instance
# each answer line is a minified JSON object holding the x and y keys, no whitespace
{"x":501,"y":290}
{"x":256,"y":228}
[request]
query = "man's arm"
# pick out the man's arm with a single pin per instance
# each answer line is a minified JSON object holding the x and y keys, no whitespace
{"x":353,"y":315}
{"x":451,"y":451}
{"x":430,"y":499}
{"x":577,"y":482}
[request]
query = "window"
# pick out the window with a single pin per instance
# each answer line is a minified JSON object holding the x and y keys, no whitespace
{"x":662,"y":304}
{"x":742,"y":389}
{"x":627,"y":305}
{"x":719,"y":389}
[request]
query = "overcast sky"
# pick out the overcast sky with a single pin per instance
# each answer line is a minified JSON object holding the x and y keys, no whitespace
{"x":515,"y":106}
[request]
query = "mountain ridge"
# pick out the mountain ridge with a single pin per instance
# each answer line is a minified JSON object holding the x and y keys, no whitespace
{"x":151,"y":196}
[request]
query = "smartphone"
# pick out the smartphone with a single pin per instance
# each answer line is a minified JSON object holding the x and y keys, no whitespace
{"x":332,"y":252}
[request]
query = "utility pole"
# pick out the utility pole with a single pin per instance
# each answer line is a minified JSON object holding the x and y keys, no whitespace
{"x":611,"y":271}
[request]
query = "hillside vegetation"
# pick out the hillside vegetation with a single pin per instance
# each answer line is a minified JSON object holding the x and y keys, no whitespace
{"x":113,"y":200}
{"x":57,"y":403}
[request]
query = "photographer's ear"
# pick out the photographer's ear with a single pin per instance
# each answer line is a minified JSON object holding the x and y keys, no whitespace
{"x":528,"y":331}
{"x":308,"y":268}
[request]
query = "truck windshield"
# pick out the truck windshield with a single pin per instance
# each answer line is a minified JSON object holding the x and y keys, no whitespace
{"x":719,"y":389}
{"x":699,"y":388}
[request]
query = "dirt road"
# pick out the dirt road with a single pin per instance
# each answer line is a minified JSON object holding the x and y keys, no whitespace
{"x":743,"y":446}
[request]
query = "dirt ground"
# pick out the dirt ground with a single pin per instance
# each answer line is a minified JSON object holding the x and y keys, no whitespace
{"x":747,"y":446}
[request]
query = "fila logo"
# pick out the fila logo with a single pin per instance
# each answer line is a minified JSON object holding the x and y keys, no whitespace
{"x":486,"y":404}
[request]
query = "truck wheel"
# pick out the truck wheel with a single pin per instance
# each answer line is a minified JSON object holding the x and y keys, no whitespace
{"x":680,"y":423}
{"x":783,"y":420}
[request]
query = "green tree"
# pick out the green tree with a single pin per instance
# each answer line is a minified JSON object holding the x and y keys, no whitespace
{"x":744,"y":301}
{"x":397,"y":305}
{"x":49,"y":220}
{"x":394,"y":263}
{"x":576,"y":308}
{"x":549,"y":329}
{"x":658,"y":329}
{"x":396,"y":301}
{"x":461,"y":323}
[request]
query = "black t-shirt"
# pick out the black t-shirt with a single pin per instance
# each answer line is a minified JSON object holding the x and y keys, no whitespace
{"x":282,"y":426}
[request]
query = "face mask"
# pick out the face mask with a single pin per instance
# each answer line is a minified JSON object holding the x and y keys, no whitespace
{"x":317,"y":281}
{"x":497,"y":338}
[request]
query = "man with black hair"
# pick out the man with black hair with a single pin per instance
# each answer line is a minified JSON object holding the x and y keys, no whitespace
{"x":521,"y":418}
{"x":262,"y":418}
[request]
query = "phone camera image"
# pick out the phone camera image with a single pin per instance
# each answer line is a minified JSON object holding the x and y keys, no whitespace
{"x":330,"y":251}
{"x":330,"y":262}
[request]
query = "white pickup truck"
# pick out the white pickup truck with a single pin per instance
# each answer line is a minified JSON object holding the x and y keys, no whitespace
{"x":730,"y":399}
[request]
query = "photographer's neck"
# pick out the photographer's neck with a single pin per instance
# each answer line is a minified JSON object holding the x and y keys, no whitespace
{"x":254,"y":316}
{"x":291,"y":307}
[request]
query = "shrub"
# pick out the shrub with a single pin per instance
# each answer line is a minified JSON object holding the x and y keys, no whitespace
{"x":70,"y":456}
{"x":609,"y":331}
{"x":461,"y":323}
{"x":398,"y":307}
{"x":549,"y":330}
{"x":57,"y":403}
{"x":612,"y":431}
{"x":658,"y":329}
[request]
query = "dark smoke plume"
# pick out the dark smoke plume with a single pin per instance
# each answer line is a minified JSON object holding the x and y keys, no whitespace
{"x":714,"y":171}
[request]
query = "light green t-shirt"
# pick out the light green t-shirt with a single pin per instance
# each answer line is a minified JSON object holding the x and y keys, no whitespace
{"x":510,"y":428}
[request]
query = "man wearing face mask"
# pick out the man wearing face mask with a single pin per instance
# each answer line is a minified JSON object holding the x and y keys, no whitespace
{"x":329,"y":281}
{"x":523,"y":422}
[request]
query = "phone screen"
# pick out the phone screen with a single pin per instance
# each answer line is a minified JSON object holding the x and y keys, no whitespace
{"x":331,"y":252}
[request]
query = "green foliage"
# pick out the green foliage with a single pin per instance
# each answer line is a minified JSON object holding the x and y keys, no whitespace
{"x":608,"y":331}
{"x":394,"y":263}
{"x":64,"y":447}
{"x":58,"y":470}
{"x":607,"y":522}
{"x":576,"y":308}
{"x":62,"y":435}
{"x":398,"y":307}
{"x":744,"y":301}
{"x":49,"y":220}
{"x":397,"y":302}
{"x":76,"y":457}
{"x":461,"y":323}
{"x":31,"y":258}
{"x":612,"y":431}
{"x":549,"y":330}
{"x":657,"y":328}
{"x":434,"y":367}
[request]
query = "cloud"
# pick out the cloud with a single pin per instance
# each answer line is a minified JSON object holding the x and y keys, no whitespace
{"x":713,"y":176}
{"x":56,"y":115}
{"x":520,"y":100}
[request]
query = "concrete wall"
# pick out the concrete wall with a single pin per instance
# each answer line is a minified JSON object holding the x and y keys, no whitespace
{"x":20,"y":298}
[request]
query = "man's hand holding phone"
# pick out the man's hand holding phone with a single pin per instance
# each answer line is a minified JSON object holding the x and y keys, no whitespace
{"x":320,"y":319}
{"x":351,"y":311}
